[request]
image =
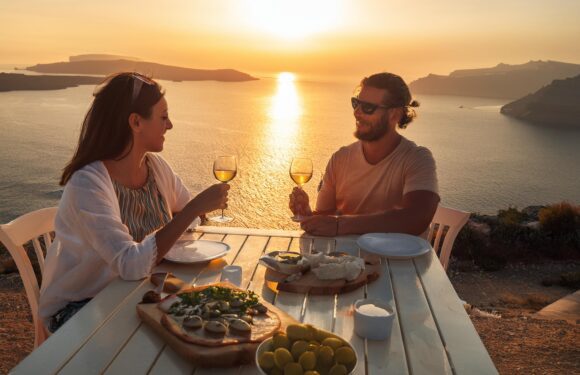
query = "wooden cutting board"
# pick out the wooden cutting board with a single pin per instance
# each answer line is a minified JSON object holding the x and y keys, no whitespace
{"x":309,"y":283}
{"x":205,"y":356}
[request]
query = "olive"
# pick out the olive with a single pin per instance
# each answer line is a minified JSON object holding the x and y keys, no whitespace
{"x":276,"y":371}
{"x":321,"y":335}
{"x":344,"y":355}
{"x":293,"y":368}
{"x":338,"y":370}
{"x":297,"y":332}
{"x":298,"y":347}
{"x":282,"y":357}
{"x":151,"y":297}
{"x":266,"y":360}
{"x":312,"y":332}
{"x":333,"y":342}
{"x":326,"y":355}
{"x":261,"y":309}
{"x":307,"y":360}
{"x":311,"y":372}
{"x":280,"y":340}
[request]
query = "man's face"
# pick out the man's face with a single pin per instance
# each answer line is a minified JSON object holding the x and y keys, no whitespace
{"x":371,"y":127}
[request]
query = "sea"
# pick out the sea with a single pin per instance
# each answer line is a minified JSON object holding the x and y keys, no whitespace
{"x":485,"y":160}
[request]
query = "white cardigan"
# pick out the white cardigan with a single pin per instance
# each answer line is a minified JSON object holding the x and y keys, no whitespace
{"x":92,"y":246}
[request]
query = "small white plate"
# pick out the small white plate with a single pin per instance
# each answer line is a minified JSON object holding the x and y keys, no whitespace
{"x":394,"y":245}
{"x":196,"y":251}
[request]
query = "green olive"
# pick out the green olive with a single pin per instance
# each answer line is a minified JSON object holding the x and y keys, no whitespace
{"x":344,"y":355}
{"x":312,"y":332}
{"x":338,"y":370}
{"x":276,"y":371}
{"x":282,"y":357}
{"x":311,"y":373}
{"x":293,"y":368}
{"x":280,"y":340}
{"x":266,"y":360}
{"x":333,"y":342}
{"x":297,"y":332}
{"x":321,"y":335}
{"x":298,"y":347}
{"x":326,"y":355}
{"x":307,"y":360}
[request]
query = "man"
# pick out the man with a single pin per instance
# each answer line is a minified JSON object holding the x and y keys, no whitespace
{"x":381,"y":183}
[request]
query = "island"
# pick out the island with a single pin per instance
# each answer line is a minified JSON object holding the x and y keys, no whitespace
{"x":16,"y":81}
{"x":107,"y":64}
{"x":557,"y":104}
{"x":502,"y":81}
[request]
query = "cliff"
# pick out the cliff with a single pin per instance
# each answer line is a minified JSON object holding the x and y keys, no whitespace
{"x":12,"y":82}
{"x":501,"y":81}
{"x":154,"y":70}
{"x":557,"y":104}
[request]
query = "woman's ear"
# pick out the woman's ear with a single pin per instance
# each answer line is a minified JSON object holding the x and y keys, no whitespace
{"x":134,"y":122}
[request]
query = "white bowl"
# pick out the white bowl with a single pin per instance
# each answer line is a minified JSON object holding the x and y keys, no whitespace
{"x":371,"y":326}
{"x":266,"y":345}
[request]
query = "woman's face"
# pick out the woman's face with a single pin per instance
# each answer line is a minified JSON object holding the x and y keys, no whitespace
{"x":153,"y":128}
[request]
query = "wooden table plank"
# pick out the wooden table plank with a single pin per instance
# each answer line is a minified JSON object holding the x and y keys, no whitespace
{"x":248,"y":257}
{"x":343,"y":321}
{"x":464,"y":347}
{"x":64,"y":343}
{"x":389,"y":356}
{"x":103,"y":346}
{"x":145,"y":345}
{"x":425,"y":351}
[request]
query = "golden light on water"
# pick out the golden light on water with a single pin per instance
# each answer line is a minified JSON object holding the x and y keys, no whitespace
{"x":286,"y":107}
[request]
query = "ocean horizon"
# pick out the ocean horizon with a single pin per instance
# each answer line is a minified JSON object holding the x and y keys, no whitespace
{"x":485,"y":161}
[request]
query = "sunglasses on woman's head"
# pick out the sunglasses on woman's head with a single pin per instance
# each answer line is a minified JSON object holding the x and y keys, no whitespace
{"x":366,"y":107}
{"x":138,"y":82}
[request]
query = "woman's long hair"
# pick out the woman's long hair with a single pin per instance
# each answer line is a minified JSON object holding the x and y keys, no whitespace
{"x":106,"y":133}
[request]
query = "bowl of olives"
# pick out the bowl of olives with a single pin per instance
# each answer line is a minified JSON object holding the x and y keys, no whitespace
{"x":305,"y":349}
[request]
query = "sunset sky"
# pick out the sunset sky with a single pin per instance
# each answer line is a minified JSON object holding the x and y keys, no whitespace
{"x":313,"y":38}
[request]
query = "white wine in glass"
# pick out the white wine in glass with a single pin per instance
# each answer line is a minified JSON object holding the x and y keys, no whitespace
{"x":300,"y":173}
{"x":225,"y":169}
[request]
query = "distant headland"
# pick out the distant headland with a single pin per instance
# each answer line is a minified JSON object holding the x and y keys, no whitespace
{"x":502,"y":81}
{"x":14,"y":82}
{"x":557,"y":104}
{"x":101,"y":64}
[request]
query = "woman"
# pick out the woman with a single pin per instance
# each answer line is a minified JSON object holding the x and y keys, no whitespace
{"x":122,"y":208}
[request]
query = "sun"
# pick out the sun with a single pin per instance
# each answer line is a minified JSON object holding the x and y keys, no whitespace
{"x":294,"y":19}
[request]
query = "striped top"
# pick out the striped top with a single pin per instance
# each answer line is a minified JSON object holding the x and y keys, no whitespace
{"x":143,"y":210}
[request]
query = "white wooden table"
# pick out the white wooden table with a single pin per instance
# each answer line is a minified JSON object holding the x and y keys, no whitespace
{"x":431,"y":335}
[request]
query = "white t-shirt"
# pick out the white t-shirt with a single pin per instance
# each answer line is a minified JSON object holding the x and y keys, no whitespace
{"x":92,"y":245}
{"x":353,"y":186}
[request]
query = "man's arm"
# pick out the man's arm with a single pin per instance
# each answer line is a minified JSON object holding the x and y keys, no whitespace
{"x":414,"y":217}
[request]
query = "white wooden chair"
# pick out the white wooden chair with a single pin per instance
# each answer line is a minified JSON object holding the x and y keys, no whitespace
{"x":14,"y":235}
{"x":443,"y":230}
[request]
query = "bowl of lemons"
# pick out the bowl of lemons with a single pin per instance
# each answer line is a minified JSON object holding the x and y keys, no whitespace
{"x":305,"y":349}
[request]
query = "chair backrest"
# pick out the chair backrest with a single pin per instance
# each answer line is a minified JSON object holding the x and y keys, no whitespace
{"x":30,"y":227}
{"x":443,"y":230}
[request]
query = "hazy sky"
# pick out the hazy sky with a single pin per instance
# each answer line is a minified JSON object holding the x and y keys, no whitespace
{"x":347,"y":38}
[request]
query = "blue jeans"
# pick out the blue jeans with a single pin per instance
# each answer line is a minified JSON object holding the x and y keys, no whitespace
{"x":65,"y":314}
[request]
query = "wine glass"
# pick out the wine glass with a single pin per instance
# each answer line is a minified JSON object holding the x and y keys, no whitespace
{"x":301,"y":173}
{"x":225,"y":169}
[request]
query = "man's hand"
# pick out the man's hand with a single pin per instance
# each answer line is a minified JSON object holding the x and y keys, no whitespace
{"x":299,"y":203}
{"x":321,"y":225}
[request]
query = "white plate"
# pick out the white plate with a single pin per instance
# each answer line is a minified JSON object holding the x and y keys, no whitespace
{"x":196,"y":251}
{"x":394,"y":245}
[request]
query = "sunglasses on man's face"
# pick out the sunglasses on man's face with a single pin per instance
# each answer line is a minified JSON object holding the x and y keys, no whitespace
{"x":366,"y":107}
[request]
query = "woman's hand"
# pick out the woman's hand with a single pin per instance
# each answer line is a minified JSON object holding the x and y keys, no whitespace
{"x":213,"y":198}
{"x":299,"y":202}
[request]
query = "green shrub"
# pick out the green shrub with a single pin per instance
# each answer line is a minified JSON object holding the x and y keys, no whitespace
{"x":511,"y":216}
{"x":560,"y":220}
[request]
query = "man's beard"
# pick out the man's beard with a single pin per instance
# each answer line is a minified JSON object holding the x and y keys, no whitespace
{"x":376,"y":132}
